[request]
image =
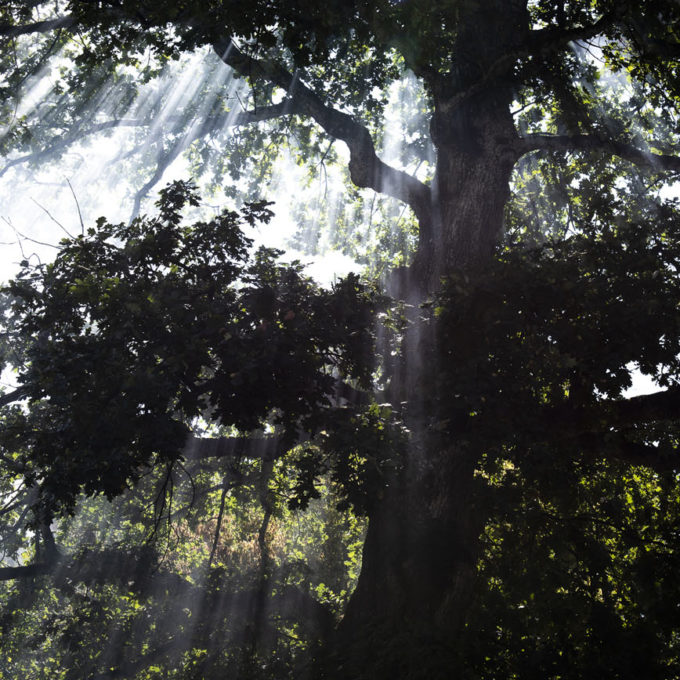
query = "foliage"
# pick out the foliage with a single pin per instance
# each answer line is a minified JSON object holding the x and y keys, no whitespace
{"x":200,"y":431}
{"x":562,"y":323}
{"x":137,"y":330}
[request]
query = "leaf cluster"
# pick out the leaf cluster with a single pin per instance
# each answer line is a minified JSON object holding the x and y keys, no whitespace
{"x":135,"y":330}
{"x":563,"y":323}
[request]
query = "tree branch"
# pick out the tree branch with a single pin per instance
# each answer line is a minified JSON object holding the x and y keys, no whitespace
{"x":366,"y":169}
{"x":269,"y":447}
{"x":16,"y":395}
{"x":603,"y":416}
{"x":13,"y":31}
{"x":27,"y":571}
{"x":596,"y":144}
{"x":662,"y":405}
{"x":615,"y":446}
{"x":550,"y":39}
{"x":601,"y":428}
{"x":208,"y":125}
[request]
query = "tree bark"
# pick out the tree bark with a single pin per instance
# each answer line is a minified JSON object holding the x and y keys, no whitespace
{"x":423,"y":540}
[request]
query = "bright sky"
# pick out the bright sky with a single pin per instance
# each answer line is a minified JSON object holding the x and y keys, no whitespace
{"x":37,"y":206}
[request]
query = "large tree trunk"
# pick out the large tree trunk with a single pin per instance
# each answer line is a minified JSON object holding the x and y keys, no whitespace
{"x":423,"y":540}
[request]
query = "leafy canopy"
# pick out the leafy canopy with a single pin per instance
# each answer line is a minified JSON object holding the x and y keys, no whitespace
{"x":136,"y":331}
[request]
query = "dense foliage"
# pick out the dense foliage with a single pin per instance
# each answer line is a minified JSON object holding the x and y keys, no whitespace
{"x":211,"y":466}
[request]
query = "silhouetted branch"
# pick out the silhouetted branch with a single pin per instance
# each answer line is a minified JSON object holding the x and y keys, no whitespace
{"x":604,"y":428}
{"x":609,"y":414}
{"x":267,"y":447}
{"x":615,"y":446}
{"x":662,"y":405}
{"x":13,"y":31}
{"x":596,"y":144}
{"x":16,"y":395}
{"x":27,"y":571}
{"x":366,"y":169}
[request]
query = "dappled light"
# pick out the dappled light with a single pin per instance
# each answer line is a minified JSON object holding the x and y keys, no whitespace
{"x":339,"y":340}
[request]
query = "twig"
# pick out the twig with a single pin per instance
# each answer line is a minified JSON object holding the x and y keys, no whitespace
{"x":80,"y":215}
{"x":54,"y":219}
{"x":26,"y":238}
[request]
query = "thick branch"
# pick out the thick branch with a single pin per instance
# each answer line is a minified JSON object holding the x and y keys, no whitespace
{"x":366,"y":169}
{"x":610,"y":414}
{"x":602,"y":428}
{"x":617,"y":447}
{"x":269,"y":447}
{"x":550,"y":39}
{"x":16,"y":395}
{"x":27,"y":571}
{"x":605,"y":429}
{"x":663,"y":405}
{"x":13,"y":31}
{"x":596,"y":144}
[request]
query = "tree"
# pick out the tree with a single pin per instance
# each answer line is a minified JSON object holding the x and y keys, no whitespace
{"x":545,"y":266}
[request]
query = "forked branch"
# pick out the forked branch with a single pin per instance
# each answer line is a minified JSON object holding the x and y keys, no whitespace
{"x":366,"y":169}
